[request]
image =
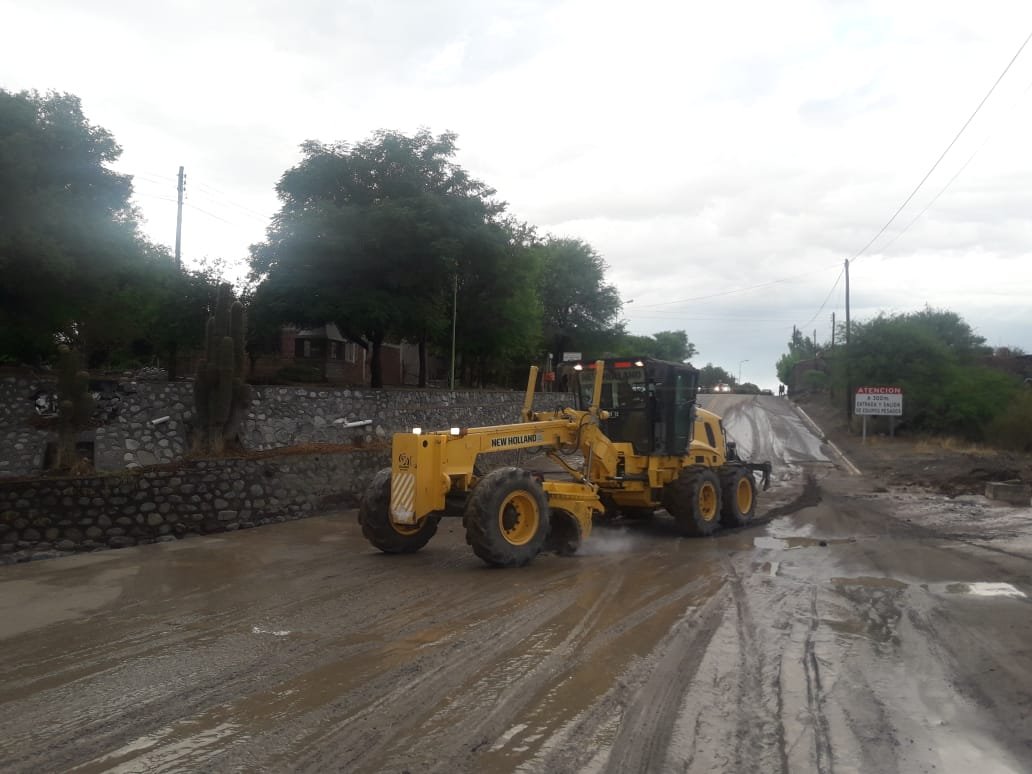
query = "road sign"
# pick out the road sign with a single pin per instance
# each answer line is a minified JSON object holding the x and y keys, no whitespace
{"x":571,"y":357}
{"x":878,"y":401}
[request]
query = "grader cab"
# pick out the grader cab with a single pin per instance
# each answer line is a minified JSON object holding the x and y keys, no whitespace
{"x":633,"y":442}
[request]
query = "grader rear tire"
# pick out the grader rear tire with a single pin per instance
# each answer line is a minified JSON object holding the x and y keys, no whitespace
{"x":694,"y":501}
{"x":739,"y":496}
{"x":507,"y":518}
{"x":377,"y":527}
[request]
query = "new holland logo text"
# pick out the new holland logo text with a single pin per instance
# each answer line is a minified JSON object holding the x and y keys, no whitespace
{"x":515,"y":440}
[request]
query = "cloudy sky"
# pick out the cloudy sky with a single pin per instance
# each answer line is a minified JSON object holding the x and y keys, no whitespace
{"x":725,"y":158}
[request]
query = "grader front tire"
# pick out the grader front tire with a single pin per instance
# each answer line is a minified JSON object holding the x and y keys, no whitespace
{"x":377,"y":527}
{"x":507,"y":518}
{"x":694,"y":501}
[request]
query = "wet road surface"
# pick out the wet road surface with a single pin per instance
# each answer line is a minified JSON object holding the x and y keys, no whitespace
{"x":859,"y":629}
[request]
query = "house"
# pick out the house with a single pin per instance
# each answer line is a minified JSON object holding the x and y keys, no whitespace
{"x":328,"y":355}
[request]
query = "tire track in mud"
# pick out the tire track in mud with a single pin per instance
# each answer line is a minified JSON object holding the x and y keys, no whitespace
{"x":647,"y":724}
{"x":814,"y":693}
{"x":759,"y":727}
{"x":730,"y":716}
{"x":133,"y":670}
{"x":521,"y":685}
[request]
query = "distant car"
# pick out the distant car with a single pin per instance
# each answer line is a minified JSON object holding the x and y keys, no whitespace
{"x":721,"y":387}
{"x":766,"y":392}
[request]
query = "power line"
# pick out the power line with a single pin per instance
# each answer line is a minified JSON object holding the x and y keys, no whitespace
{"x":210,"y":214}
{"x":736,"y":290}
{"x":949,"y":182}
{"x":825,"y":301}
{"x":717,"y":318}
{"x":243,"y":211}
{"x":222,"y":197}
{"x":154,"y":196}
{"x":917,"y":188}
{"x":943,"y":154}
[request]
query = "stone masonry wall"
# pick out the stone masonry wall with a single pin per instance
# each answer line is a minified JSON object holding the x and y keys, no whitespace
{"x":48,"y":517}
{"x":147,"y":423}
{"x":145,"y":491}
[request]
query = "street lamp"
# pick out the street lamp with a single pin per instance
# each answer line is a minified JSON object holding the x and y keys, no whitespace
{"x":740,"y":370}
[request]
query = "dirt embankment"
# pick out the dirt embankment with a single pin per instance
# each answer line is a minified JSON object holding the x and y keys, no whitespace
{"x":947,"y":465}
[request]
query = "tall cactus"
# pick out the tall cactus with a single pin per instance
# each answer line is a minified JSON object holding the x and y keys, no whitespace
{"x":75,"y":405}
{"x":221,"y":397}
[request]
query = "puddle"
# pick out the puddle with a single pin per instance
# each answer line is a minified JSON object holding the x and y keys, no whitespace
{"x":260,"y":630}
{"x":785,"y":544}
{"x":870,"y":582}
{"x":984,"y":589}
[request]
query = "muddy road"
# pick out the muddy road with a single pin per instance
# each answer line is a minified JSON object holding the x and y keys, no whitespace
{"x":856,"y":629}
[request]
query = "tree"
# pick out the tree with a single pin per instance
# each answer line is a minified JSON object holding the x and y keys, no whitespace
{"x":68,"y":238}
{"x":710,"y":375}
{"x":799,"y":348}
{"x":499,"y":311}
{"x":174,"y":306}
{"x":665,"y":345}
{"x":935,"y":357}
{"x":373,"y":236}
{"x":580,"y":308}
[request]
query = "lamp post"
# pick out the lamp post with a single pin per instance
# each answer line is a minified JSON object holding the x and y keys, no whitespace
{"x":740,"y":370}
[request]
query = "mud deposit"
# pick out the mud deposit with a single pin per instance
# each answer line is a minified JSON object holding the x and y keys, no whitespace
{"x":857,"y":629}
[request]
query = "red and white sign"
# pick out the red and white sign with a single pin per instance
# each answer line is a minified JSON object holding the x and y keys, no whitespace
{"x":878,"y":401}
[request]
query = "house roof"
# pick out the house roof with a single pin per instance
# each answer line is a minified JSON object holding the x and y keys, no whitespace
{"x":329,"y":332}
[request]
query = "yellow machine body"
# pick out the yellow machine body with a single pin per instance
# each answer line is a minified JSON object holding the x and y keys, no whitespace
{"x":431,"y":471}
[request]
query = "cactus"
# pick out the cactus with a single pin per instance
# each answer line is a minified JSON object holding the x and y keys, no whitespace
{"x":221,"y":397}
{"x":75,"y":405}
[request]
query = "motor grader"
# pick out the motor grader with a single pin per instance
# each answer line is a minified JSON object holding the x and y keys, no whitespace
{"x":633,"y":442}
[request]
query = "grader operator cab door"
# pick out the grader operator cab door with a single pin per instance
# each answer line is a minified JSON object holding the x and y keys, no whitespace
{"x":651,"y":403}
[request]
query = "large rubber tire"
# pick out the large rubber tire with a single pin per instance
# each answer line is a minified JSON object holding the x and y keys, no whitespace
{"x":694,"y":501}
{"x":507,"y":518}
{"x":738,"y":494}
{"x":564,"y":534}
{"x":374,"y":516}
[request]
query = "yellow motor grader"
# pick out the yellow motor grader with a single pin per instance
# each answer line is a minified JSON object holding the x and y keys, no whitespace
{"x":635,"y":441}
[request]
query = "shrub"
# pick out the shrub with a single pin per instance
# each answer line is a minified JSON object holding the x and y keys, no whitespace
{"x":1012,"y":428}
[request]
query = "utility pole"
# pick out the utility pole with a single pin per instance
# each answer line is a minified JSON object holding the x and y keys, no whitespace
{"x":454,"y":318}
{"x":179,"y":219}
{"x":849,"y":391}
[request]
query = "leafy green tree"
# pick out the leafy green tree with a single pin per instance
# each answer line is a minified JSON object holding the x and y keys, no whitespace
{"x":68,"y":238}
{"x":499,"y":311}
{"x":935,"y":357}
{"x":665,"y":345}
{"x":711,"y":375}
{"x":373,"y":236}
{"x":799,"y":348}
{"x":580,"y":307}
{"x":175,"y":307}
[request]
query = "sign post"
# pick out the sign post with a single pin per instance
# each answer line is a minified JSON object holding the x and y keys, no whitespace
{"x":877,"y":402}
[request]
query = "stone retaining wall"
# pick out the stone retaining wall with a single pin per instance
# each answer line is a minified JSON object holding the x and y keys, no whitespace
{"x":147,"y":423}
{"x":145,"y":491}
{"x":49,"y":517}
